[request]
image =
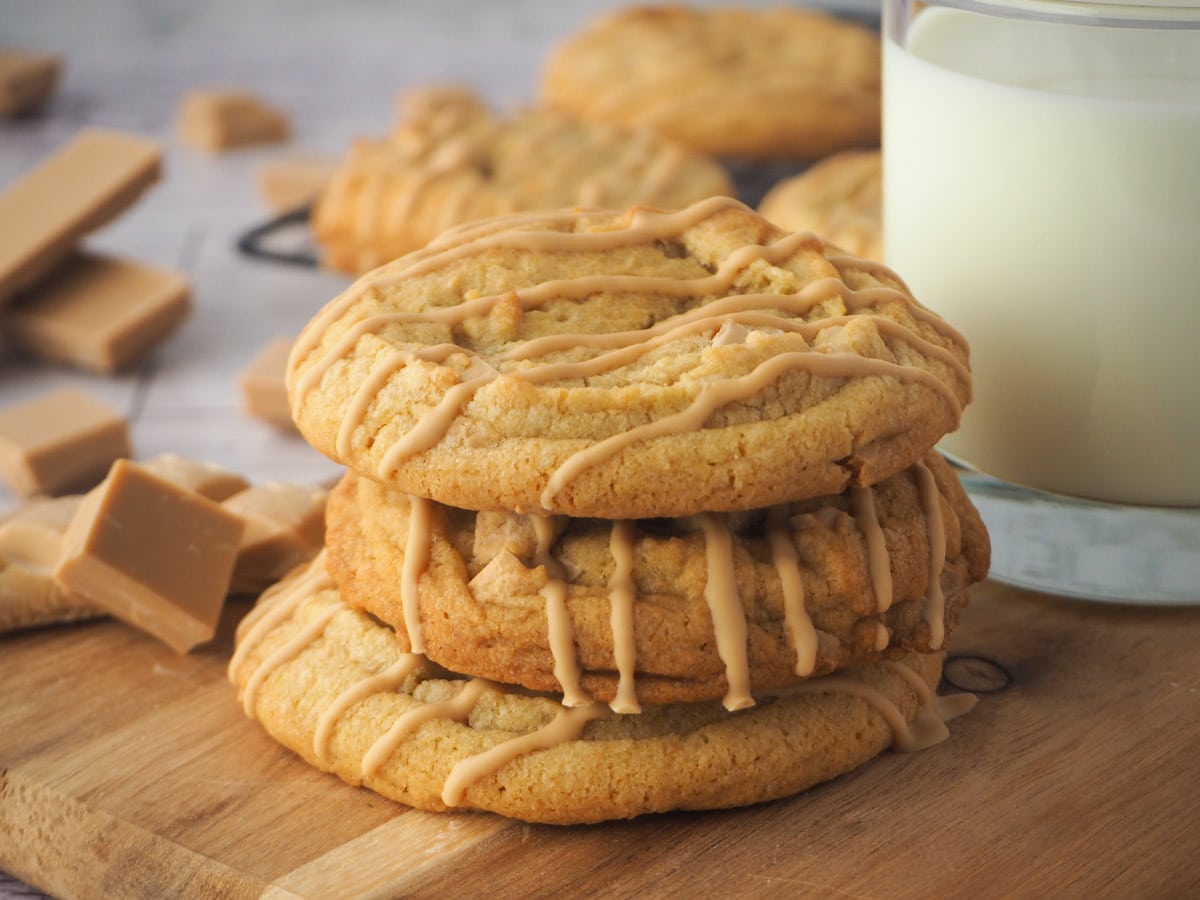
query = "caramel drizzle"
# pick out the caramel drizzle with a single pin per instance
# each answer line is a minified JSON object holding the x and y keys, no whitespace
{"x":567,"y":725}
{"x":389,"y":679}
{"x":458,"y":709}
{"x":626,"y":348}
{"x":934,"y":711}
{"x":417,"y":547}
{"x":709,"y":399}
{"x":883,"y":637}
{"x":285,"y":653}
{"x":862,"y":508}
{"x":935,"y":599}
{"x":728,"y":616}
{"x":796,"y":619}
{"x":928,"y":726}
{"x":561,"y":630}
{"x":622,"y":594}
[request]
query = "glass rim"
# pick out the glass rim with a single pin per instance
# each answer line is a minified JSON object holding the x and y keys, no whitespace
{"x":1146,"y":14}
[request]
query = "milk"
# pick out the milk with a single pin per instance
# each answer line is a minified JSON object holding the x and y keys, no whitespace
{"x":1042,"y":192}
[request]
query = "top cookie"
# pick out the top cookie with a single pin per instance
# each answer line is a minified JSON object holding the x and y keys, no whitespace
{"x":450,"y":160}
{"x":627,"y":365}
{"x":761,"y":83}
{"x":840,"y":198}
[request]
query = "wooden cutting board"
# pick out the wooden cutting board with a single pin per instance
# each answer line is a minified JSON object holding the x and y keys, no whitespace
{"x":127,"y":771}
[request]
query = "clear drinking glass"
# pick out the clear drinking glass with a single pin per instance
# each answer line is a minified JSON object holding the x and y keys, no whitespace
{"x":1042,"y":192}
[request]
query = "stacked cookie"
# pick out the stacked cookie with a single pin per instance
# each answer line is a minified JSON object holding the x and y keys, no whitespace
{"x":840,"y":197}
{"x":642,"y":514}
{"x":734,"y":82}
{"x":450,"y":160}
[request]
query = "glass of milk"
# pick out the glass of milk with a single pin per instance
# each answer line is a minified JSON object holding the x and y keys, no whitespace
{"x":1042,"y":192}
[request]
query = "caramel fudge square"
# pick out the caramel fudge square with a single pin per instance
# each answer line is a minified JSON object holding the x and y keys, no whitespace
{"x":155,"y":555}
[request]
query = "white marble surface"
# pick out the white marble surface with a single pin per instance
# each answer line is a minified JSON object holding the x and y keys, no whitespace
{"x":336,"y":69}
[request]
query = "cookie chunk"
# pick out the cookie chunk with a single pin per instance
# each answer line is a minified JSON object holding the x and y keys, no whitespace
{"x":840,"y":198}
{"x":30,"y":548}
{"x":627,"y":365}
{"x":666,"y":610}
{"x":763,"y":83}
{"x":333,"y":685}
{"x":450,"y":161}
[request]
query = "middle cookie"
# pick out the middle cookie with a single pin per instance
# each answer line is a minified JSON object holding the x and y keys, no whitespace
{"x":664,"y":610}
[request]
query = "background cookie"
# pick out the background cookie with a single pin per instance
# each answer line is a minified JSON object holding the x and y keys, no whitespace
{"x":495,"y":588}
{"x":450,"y":161}
{"x":333,"y":685}
{"x":568,"y":361}
{"x":766,"y":83}
{"x":839,"y":197}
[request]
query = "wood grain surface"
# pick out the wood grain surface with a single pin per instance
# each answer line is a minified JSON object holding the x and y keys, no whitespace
{"x":127,"y":771}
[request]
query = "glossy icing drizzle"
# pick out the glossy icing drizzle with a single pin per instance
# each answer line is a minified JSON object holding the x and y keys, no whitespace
{"x":862,"y":507}
{"x":457,"y":708}
{"x":416,"y":559}
{"x":724,"y":603}
{"x":721,"y":593}
{"x":566,"y":726}
{"x":388,"y":680}
{"x":935,"y":600}
{"x":276,"y":606}
{"x":799,"y":626}
{"x":561,"y":629}
{"x":622,"y":593}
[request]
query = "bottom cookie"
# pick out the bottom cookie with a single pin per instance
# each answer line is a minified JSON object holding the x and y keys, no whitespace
{"x":332,"y":684}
